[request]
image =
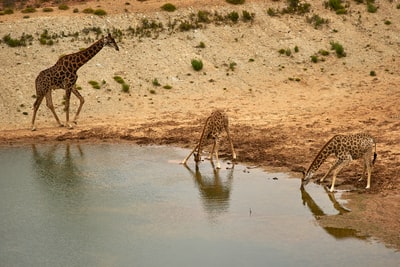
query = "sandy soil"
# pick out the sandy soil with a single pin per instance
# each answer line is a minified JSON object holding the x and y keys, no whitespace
{"x":282,"y":108}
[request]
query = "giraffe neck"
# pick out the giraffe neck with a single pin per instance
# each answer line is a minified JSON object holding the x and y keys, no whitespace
{"x":322,"y":155}
{"x":80,"y":58}
{"x":203,"y":137}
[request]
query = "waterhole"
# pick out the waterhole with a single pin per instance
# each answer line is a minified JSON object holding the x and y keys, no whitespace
{"x":126,"y":205}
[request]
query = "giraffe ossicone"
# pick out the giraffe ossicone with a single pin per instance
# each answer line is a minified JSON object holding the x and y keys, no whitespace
{"x":215,"y":124}
{"x":63,"y":75}
{"x":345,"y":148}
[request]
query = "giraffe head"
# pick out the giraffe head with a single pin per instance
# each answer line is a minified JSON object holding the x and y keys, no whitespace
{"x":197,"y":157}
{"x":109,"y":41}
{"x":306,"y":177}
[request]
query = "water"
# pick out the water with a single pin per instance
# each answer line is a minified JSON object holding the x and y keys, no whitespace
{"x":125,"y":205}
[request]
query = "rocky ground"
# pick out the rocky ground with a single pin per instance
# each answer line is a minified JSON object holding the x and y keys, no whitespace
{"x":282,"y":106}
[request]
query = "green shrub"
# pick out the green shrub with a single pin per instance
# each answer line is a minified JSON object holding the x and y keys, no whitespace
{"x":271,"y":12}
{"x":22,"y":41}
{"x":125,"y":88}
{"x":337,"y":6}
{"x":372,"y":73}
{"x":247,"y":16}
{"x":233,"y":16}
{"x":63,"y":7}
{"x":236,"y":2}
{"x":119,"y":80}
{"x":155,"y":82}
{"x":197,"y":64}
{"x":94,"y":84}
{"x":47,"y":9}
{"x":7,"y":11}
{"x":168,"y":7}
{"x":314,"y":58}
{"x":100,"y":12}
{"x":88,"y":10}
{"x":167,"y":87}
{"x":29,"y":9}
{"x":338,"y":49}
{"x":371,"y":8}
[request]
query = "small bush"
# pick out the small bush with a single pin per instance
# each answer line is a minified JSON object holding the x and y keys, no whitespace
{"x":314,"y":58}
{"x":323,"y":52}
{"x":167,"y":87}
{"x":233,"y":16}
{"x":7,"y":11}
{"x":63,"y":7}
{"x":201,"y":45}
{"x":247,"y":16}
{"x":94,"y":84}
{"x":125,"y":88}
{"x":155,"y":82}
{"x":119,"y":80}
{"x":372,"y":73}
{"x":338,"y":49}
{"x":88,"y":11}
{"x":337,"y":6}
{"x":100,"y":12}
{"x":236,"y":2}
{"x":197,"y":64}
{"x":271,"y":12}
{"x":168,"y":7}
{"x":371,"y":8}
{"x":47,"y":9}
{"x":29,"y":9}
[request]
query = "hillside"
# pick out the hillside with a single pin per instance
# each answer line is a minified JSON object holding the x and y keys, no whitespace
{"x":283,"y":106}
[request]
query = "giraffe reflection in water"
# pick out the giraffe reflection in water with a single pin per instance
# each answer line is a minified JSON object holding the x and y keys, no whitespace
{"x":214,"y":191}
{"x":318,"y":213}
{"x":59,"y":172}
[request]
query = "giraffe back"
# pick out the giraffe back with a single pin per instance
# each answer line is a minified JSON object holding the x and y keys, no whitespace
{"x":355,"y":145}
{"x":215,"y":124}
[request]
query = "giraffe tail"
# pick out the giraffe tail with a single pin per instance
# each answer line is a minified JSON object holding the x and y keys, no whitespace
{"x":375,"y":156}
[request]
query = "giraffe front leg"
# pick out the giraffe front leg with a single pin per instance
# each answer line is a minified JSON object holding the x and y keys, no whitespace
{"x":67,"y":101}
{"x":216,"y":154}
{"x":81,"y":102}
{"x":339,"y":166}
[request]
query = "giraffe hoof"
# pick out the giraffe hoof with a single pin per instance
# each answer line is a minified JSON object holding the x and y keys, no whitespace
{"x":33,"y":129}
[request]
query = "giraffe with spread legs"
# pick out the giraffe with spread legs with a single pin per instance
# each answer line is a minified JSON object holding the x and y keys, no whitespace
{"x":63,"y":76}
{"x":346,"y":148}
{"x":215,"y":124}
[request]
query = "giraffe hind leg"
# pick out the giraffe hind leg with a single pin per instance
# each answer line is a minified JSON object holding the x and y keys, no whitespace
{"x":49,"y":104}
{"x":35,"y":109}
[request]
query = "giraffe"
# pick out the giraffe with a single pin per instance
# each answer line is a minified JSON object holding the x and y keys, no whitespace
{"x":346,"y":148}
{"x":215,"y":124}
{"x":63,"y":76}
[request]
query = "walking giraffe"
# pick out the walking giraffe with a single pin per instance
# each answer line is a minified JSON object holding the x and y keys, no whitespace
{"x":215,"y":124}
{"x":346,"y":148}
{"x":63,"y":76}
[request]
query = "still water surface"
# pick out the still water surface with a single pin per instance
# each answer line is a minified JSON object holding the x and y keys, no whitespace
{"x":125,"y":205}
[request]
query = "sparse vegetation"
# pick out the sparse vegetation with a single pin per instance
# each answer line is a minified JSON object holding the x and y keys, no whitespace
{"x":197,"y":64}
{"x":371,"y":8}
{"x":372,"y":73}
{"x":317,"y":21}
{"x":336,"y":5}
{"x":167,"y":86}
{"x":296,"y":7}
{"x":24,"y":40}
